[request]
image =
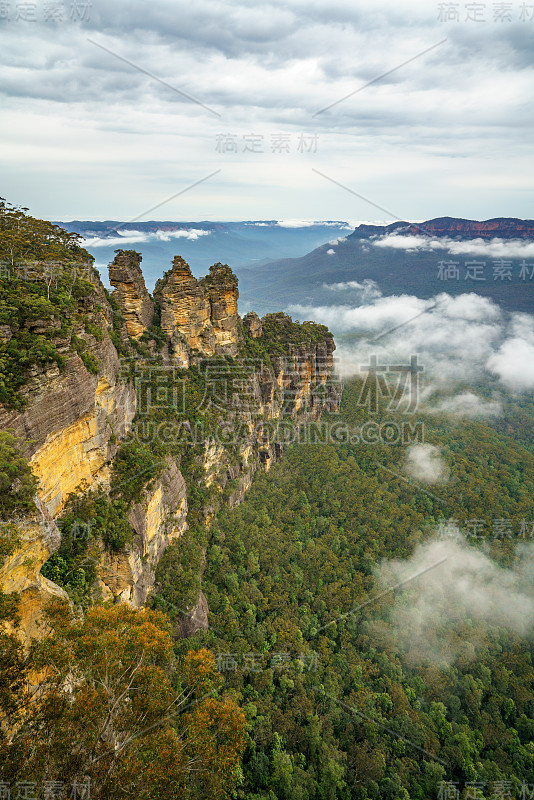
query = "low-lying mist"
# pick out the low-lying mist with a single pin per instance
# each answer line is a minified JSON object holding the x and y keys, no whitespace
{"x":459,"y":341}
{"x":452,"y":596}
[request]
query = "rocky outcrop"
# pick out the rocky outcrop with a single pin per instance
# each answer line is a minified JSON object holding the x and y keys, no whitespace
{"x":158,"y":519}
{"x":252,"y":324}
{"x":198,"y":317}
{"x":185,"y":313}
{"x":196,"y":620}
{"x":37,"y":539}
{"x":221,"y":287}
{"x":130,"y":292}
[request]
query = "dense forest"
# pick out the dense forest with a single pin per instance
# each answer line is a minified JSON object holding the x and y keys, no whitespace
{"x":337,"y":705}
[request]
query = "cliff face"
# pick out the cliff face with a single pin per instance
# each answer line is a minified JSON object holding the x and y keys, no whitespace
{"x":72,"y":416}
{"x":276,"y":396}
{"x":500,"y":228}
{"x":69,"y":430}
{"x":302,"y":372}
{"x":80,"y":453}
{"x":198,"y":317}
{"x":76,"y":417}
{"x":158,"y":519}
{"x":38,"y":537}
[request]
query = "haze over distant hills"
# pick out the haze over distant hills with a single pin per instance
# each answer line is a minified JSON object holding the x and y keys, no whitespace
{"x":494,"y":258}
{"x":203,"y":243}
{"x":310,"y":263}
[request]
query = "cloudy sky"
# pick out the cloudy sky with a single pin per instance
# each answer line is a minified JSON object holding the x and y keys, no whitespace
{"x":110,"y":109}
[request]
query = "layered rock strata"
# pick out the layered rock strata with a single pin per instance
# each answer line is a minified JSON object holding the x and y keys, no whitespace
{"x":199,"y":318}
{"x":130,"y":292}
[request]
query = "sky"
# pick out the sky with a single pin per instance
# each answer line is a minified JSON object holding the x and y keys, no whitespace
{"x":234,"y":109}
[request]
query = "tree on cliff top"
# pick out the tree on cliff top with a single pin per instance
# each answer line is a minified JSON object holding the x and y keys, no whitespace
{"x":25,"y":237}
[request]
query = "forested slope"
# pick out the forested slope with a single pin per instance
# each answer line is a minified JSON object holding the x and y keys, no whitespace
{"x":340,"y":701}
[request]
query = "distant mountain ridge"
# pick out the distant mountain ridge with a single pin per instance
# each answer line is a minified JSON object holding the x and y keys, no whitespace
{"x":202,"y":243}
{"x":290,"y":262}
{"x":376,"y":253}
{"x":497,"y":228}
{"x":113,"y":225}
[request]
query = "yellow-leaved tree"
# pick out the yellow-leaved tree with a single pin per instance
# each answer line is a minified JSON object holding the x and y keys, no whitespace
{"x":115,"y":712}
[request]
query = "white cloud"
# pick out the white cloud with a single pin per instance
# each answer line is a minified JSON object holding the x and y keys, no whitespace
{"x":364,"y":292}
{"x":457,"y":339}
{"x":375,"y":316}
{"x":330,"y":252}
{"x":467,"y":405}
{"x":135,"y":237}
{"x":423,"y":463}
{"x":471,"y":307}
{"x":309,"y":223}
{"x":446,"y":584}
{"x":514,"y":364}
{"x":494,"y":248}
{"x":191,"y":234}
{"x":296,"y":223}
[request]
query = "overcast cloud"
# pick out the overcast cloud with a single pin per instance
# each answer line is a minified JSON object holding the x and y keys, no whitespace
{"x":87,"y":135}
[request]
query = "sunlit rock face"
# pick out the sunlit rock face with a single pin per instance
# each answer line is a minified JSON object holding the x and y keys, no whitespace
{"x":38,"y":538}
{"x":79,"y":454}
{"x":158,"y":519}
{"x":252,"y":324}
{"x":72,"y":422}
{"x":221,"y":287}
{"x":130,"y":292}
{"x":198,"y":317}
